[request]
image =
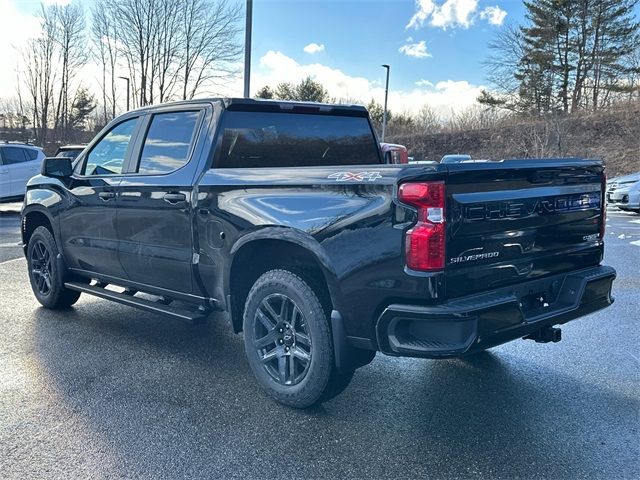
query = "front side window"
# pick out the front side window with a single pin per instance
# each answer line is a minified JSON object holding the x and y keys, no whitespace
{"x":166,"y":147}
{"x":108,"y":155}
{"x":270,"y":139}
{"x":13,"y":155}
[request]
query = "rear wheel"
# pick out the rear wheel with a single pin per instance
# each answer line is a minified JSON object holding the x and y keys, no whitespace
{"x":288,"y":341}
{"x":44,"y":276}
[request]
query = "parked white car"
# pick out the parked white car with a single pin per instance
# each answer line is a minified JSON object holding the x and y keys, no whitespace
{"x":624,"y":192}
{"x":18,"y":163}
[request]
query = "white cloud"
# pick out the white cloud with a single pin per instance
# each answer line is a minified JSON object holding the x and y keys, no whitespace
{"x":423,"y":83}
{"x":416,"y":50}
{"x":451,"y":13}
{"x":444,"y":96}
{"x":493,"y":15}
{"x":314,"y":48}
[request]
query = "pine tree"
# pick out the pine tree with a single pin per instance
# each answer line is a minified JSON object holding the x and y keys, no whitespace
{"x":308,"y":90}
{"x":574,"y":54}
{"x":83,"y":105}
{"x":615,"y":39}
{"x":265,"y":92}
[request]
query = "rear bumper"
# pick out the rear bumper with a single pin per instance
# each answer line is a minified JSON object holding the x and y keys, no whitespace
{"x":477,"y":322}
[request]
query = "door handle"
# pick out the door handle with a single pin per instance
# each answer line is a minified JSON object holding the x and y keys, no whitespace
{"x":174,"y":197}
{"x":106,"y":195}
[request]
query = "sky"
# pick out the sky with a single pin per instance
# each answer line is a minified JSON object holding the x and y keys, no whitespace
{"x":435,"y":47}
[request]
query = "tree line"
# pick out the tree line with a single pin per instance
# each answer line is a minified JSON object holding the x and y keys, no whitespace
{"x":569,"y":56}
{"x":167,"y":49}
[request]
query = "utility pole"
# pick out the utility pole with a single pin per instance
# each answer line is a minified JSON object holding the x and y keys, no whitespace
{"x":128,"y":97}
{"x":386,"y":96}
{"x":247,"y":49}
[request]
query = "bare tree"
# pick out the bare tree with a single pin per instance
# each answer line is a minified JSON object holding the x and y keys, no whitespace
{"x":211,"y":45}
{"x":39,"y":59}
{"x":104,"y":39}
{"x":135,"y":24}
{"x":70,"y":26}
{"x":427,"y":120}
{"x":167,"y":51}
{"x":506,"y":52}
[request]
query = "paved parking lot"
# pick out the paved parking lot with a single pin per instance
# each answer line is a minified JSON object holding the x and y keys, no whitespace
{"x":105,"y":391}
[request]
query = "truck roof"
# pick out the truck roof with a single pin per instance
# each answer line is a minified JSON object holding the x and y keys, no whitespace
{"x":260,"y":105}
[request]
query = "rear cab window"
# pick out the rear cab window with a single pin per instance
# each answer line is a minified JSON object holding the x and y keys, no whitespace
{"x":274,"y":139}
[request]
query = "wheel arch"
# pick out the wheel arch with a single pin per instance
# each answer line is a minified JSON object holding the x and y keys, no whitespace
{"x":34,"y":216}
{"x":278,"y":247}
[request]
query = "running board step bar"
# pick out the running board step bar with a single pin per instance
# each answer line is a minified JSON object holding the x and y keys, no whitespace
{"x":141,"y":303}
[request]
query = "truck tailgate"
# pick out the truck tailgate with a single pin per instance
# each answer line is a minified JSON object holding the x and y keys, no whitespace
{"x":518,"y":220}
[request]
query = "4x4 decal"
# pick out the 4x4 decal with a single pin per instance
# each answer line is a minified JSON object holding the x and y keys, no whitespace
{"x":355,"y":176}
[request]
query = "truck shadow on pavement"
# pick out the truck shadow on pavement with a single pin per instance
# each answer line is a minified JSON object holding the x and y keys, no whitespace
{"x":179,"y":400}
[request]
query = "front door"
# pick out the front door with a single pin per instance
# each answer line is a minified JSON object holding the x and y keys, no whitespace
{"x":155,"y":203}
{"x":88,"y":227}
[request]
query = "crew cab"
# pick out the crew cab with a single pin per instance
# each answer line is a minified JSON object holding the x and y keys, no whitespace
{"x":285,"y":216}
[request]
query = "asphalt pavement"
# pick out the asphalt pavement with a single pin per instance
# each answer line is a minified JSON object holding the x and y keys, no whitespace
{"x":10,"y":231}
{"x":106,"y":391}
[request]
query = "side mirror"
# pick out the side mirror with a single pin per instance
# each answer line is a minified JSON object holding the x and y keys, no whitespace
{"x":57,"y":167}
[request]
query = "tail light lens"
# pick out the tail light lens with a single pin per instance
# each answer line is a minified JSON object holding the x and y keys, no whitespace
{"x":603,"y":206}
{"x":425,"y":242}
{"x":403,"y":156}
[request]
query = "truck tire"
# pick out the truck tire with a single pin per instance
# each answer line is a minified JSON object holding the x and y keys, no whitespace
{"x":46,"y":280}
{"x":288,"y":341}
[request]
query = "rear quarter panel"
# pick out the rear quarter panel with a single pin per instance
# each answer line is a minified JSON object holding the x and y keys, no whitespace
{"x":347,"y":216}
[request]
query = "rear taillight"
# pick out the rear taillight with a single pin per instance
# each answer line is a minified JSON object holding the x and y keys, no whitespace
{"x":603,"y":205}
{"x":424,"y":243}
{"x":403,"y":156}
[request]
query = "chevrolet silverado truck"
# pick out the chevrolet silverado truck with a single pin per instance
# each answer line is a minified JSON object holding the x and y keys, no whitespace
{"x":285,"y":216}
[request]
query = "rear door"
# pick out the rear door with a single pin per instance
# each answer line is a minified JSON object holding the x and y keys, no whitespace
{"x":155,"y":201}
{"x":514,"y":221}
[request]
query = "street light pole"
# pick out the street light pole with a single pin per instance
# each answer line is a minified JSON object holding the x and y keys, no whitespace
{"x":386,"y":96}
{"x":247,"y":48}
{"x":128,"y":81}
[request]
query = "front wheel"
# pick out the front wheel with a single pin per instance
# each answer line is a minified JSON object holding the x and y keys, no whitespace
{"x":288,"y":341}
{"x":45,"y":279}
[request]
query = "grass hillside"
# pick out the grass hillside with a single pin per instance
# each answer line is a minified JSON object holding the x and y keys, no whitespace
{"x":613,"y":136}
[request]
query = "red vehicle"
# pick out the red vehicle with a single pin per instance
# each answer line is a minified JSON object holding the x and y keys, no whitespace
{"x":394,"y":154}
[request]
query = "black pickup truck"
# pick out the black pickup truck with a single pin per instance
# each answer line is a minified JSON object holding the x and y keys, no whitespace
{"x":285,"y":216}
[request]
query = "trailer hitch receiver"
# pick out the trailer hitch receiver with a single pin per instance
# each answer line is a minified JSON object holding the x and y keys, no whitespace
{"x":545,"y":335}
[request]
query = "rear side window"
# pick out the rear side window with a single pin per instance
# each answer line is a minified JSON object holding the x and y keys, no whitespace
{"x":166,"y":147}
{"x":265,"y":139}
{"x":31,"y":153}
{"x":13,"y":155}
